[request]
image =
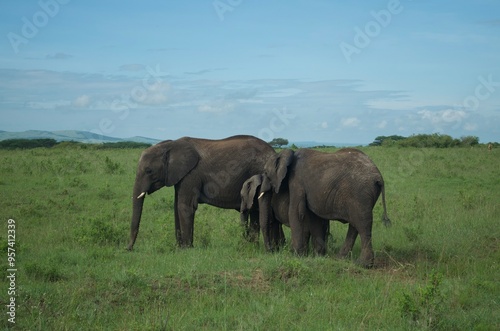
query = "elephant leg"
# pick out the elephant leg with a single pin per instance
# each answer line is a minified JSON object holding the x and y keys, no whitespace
{"x":367,"y":256}
{"x":319,"y":235}
{"x":252,"y":229}
{"x":277,"y":234}
{"x":300,"y":232}
{"x":350,"y":238}
{"x":185,"y":209}
{"x":267,"y":222}
{"x":244,"y":222}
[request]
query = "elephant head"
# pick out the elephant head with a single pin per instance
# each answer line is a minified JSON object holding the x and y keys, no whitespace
{"x":257,"y":190}
{"x":164,"y":164}
{"x":276,"y":168}
{"x":254,"y":187}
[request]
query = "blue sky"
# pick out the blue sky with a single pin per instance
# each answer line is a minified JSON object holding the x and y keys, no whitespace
{"x":326,"y":71}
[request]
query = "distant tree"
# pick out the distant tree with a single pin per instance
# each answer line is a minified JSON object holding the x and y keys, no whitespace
{"x":386,"y":140}
{"x":26,"y":143}
{"x":435,"y":140}
{"x":469,"y":141}
{"x":430,"y":140}
{"x":278,"y":142}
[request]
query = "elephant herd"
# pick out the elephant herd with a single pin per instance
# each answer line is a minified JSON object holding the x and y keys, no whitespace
{"x":303,"y":189}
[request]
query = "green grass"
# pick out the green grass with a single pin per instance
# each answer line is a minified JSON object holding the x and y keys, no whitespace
{"x":437,"y":267}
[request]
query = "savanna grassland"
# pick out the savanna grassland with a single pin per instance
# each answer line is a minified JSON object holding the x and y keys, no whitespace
{"x":437,"y":267}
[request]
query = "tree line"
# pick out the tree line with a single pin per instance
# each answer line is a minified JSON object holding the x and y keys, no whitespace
{"x":49,"y":143}
{"x":427,"y":140}
{"x":419,"y":140}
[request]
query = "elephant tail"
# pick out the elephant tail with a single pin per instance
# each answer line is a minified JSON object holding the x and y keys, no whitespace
{"x":385,"y":218}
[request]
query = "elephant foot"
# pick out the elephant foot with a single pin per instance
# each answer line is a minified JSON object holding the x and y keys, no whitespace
{"x":365,"y":264}
{"x":366,"y":260}
{"x":343,"y":254}
{"x":300,"y":252}
{"x":251,"y":237}
{"x":320,"y":252}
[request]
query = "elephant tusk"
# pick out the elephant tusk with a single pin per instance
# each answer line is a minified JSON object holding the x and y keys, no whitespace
{"x":261,"y":195}
{"x":141,"y":195}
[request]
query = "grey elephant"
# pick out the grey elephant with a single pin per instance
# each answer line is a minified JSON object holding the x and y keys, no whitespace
{"x":273,"y":209}
{"x":201,"y":171}
{"x":342,"y":186}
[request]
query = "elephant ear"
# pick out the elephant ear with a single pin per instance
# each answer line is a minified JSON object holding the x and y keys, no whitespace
{"x":284,"y":159}
{"x":248,"y":192}
{"x":179,"y":161}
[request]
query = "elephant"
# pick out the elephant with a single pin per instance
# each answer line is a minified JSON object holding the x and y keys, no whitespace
{"x":258,"y":190}
{"x":201,"y":171}
{"x":342,"y":186}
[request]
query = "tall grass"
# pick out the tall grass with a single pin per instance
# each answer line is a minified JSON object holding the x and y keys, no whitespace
{"x":437,"y":267}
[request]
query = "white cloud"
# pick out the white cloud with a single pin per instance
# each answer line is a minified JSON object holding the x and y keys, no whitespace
{"x":470,"y":127}
{"x":442,"y":117}
{"x":324,"y":110}
{"x":48,"y":105}
{"x":350,"y":122}
{"x":217,"y":107}
{"x":382,"y":124}
{"x":82,"y":101}
{"x":156,"y":94}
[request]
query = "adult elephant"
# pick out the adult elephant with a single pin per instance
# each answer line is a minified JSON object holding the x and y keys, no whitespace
{"x":274,"y":207}
{"x":342,"y":186}
{"x":201,"y":171}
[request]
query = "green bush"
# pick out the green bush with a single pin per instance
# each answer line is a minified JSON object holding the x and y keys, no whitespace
{"x":112,"y":167}
{"x":424,"y":306}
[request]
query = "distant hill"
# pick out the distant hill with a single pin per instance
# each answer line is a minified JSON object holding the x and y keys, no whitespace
{"x":72,"y":135}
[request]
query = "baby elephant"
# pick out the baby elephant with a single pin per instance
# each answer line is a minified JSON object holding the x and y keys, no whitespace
{"x":273,"y":209}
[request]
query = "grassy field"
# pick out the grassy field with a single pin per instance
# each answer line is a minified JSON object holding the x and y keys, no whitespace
{"x":437,"y":267}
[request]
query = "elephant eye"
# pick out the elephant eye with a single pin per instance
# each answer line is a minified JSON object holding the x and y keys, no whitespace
{"x":148,"y":171}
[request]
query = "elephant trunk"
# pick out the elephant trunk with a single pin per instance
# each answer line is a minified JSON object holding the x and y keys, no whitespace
{"x":137,"y":204}
{"x":265,"y":220}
